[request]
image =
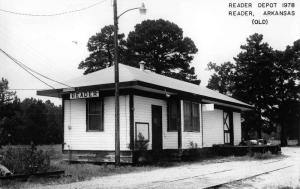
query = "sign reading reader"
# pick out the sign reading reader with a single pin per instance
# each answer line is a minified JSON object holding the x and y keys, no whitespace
{"x":86,"y":94}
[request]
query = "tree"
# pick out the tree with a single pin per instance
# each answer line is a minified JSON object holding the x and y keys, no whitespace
{"x":222,"y":79}
{"x":250,"y":79}
{"x":101,"y":48}
{"x":159,"y":43}
{"x":254,"y":77}
{"x":287,"y":70}
{"x":29,"y":120}
{"x":5,"y":95}
{"x":162,"y":46}
{"x":35,"y":117}
{"x":266,"y":78}
{"x":54,"y":131}
{"x":289,"y":119}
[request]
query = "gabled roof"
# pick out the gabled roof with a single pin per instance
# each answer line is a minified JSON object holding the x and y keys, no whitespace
{"x":129,"y":74}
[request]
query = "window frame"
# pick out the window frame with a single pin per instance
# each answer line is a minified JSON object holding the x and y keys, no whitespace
{"x":136,"y":129}
{"x":192,"y":127}
{"x":101,"y":128}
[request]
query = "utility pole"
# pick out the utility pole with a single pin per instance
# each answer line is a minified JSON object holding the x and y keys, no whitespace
{"x":142,"y":10}
{"x":117,"y":109}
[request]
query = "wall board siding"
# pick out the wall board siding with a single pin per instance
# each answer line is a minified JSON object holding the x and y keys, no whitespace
{"x":191,"y":137}
{"x":77,"y":138}
{"x":237,"y":129}
{"x":142,"y":113}
{"x":213,"y":132}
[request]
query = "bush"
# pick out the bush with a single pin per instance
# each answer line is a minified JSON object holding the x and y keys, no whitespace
{"x":193,"y":145}
{"x":25,"y":160}
{"x":141,"y":146}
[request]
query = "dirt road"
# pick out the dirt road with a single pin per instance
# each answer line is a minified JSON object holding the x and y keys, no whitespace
{"x":262,"y":173}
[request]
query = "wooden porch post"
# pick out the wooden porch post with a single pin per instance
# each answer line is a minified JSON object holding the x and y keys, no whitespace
{"x":180,"y":124}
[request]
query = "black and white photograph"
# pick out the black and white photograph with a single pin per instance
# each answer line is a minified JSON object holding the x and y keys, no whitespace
{"x":160,"y":94}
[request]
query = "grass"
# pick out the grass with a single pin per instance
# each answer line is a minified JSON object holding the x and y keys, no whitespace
{"x":249,"y":157}
{"x":73,"y":172}
{"x":80,"y":172}
{"x":84,"y":171}
{"x":262,"y":156}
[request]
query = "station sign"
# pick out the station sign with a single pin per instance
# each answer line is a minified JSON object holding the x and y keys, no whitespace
{"x":85,"y":94}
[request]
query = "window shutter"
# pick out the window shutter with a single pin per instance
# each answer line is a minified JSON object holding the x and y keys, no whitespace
{"x":173,"y":114}
{"x":187,"y":116}
{"x":195,"y":115}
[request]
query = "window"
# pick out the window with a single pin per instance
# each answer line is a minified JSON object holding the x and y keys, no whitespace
{"x":173,"y":115}
{"x":191,"y":116}
{"x":94,"y":115}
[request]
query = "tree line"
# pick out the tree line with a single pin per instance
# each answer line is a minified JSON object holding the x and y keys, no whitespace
{"x":29,"y":120}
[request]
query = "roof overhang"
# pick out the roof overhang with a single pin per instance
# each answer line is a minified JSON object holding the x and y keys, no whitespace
{"x":146,"y":87}
{"x":202,"y":97}
{"x":227,"y":104}
{"x":110,"y":86}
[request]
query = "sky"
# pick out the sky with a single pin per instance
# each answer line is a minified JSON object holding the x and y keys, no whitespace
{"x":54,"y":46}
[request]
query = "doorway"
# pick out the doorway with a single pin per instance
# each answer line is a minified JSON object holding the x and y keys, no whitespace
{"x":156,"y":128}
{"x":228,"y":127}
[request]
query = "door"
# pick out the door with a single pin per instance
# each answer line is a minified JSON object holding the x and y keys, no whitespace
{"x":156,"y":128}
{"x":228,"y":127}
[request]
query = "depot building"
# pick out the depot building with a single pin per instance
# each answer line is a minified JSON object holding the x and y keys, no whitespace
{"x":170,"y":114}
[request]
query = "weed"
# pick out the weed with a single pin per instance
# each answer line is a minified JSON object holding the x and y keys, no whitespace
{"x":141,"y":144}
{"x":193,"y":145}
{"x":266,"y":155}
{"x":26,"y":160}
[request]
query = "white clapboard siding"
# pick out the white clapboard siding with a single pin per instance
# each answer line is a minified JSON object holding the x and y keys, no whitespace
{"x":213,"y":132}
{"x":77,"y":138}
{"x":237,"y":129}
{"x":142,"y":113}
{"x":190,"y":137}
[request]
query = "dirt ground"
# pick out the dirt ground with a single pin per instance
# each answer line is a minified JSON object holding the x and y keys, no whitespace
{"x":271,"y":173}
{"x":286,"y":177}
